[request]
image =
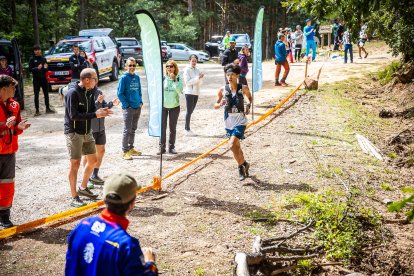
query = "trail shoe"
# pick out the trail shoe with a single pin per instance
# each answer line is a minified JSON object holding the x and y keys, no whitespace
{"x":172,"y":151}
{"x":37,"y":113}
{"x":96,"y":180}
{"x":87,"y":192}
{"x":5,"y":219}
{"x":50,"y":111}
{"x":127,"y":156}
{"x":246,"y":168}
{"x":242,"y":172}
{"x":91,"y":185}
{"x":134,"y":152}
{"x":161,"y":151}
{"x":189,"y":133}
{"x":77,"y":202}
{"x":277,"y":83}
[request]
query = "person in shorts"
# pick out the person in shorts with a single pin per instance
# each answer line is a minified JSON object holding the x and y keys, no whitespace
{"x":232,"y":97}
{"x":79,"y":111}
{"x":98,"y":132}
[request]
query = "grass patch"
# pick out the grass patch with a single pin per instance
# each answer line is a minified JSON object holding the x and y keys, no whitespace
{"x":199,"y":271}
{"x":385,"y":76}
{"x":343,"y":226}
{"x":386,"y":186}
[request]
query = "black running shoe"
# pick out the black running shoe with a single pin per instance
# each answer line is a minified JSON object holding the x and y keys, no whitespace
{"x":242,"y":172}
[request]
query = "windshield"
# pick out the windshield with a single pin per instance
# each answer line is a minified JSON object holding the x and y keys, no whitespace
{"x":191,"y":48}
{"x":66,"y":47}
{"x":241,"y":39}
{"x":128,"y":42}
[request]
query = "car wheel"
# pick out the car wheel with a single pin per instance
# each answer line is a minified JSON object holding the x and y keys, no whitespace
{"x":122,"y":63}
{"x":114,"y":75}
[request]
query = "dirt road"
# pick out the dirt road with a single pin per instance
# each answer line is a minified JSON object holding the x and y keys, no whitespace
{"x":200,"y":224}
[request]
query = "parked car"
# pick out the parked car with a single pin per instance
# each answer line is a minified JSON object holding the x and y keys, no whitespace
{"x":212,"y":46}
{"x":183,"y":52}
{"x":10,"y":49}
{"x":165,"y":50}
{"x":241,"y":40}
{"x":129,"y":47}
{"x":100,"y":48}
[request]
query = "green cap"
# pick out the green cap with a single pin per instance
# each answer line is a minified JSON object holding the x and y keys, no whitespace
{"x":121,"y":184}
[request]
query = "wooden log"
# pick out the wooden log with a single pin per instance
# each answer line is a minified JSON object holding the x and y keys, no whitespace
{"x":242,"y":268}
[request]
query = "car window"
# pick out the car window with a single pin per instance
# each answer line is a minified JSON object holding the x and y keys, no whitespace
{"x":241,"y":38}
{"x":191,"y":48}
{"x":99,"y":44}
{"x":171,"y":46}
{"x":7,"y":51}
{"x":67,"y":47}
{"x":179,"y":47}
{"x":128,"y":42}
{"x":108,"y":42}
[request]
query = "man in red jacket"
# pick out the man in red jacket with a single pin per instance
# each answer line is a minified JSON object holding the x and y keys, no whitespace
{"x":11,"y":125}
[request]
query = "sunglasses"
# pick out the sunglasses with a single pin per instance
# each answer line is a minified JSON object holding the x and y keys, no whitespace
{"x":132,"y":65}
{"x":169,"y":66}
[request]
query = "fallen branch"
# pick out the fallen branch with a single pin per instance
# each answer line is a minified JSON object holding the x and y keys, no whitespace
{"x":291,"y":258}
{"x":283,"y":239}
{"x":285,"y":249}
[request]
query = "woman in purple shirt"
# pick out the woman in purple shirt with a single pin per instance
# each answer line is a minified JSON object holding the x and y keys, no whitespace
{"x":4,"y":68}
{"x":244,"y":65}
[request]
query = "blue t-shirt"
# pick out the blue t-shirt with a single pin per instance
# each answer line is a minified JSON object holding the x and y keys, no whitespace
{"x":100,"y":247}
{"x":308,"y":32}
{"x":129,"y":91}
{"x":280,"y":51}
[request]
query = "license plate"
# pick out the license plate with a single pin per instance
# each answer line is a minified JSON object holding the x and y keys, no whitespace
{"x":128,"y":50}
{"x":61,"y":73}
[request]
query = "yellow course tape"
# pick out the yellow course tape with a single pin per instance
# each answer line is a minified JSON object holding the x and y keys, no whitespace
{"x":156,"y":184}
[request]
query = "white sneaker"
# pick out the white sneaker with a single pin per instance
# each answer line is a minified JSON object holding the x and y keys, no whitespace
{"x":189,"y":133}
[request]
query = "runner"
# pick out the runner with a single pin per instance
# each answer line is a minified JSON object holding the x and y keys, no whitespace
{"x":231,"y":96}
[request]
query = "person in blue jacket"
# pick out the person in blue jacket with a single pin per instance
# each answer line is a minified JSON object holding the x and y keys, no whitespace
{"x":100,"y":245}
{"x":130,"y":95}
{"x":280,"y":53}
{"x":309,"y":32}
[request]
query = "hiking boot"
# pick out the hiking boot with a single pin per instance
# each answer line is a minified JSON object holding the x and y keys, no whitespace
{"x":127,"y":156}
{"x":134,"y":152}
{"x":172,"y":151}
{"x":87,"y":192}
{"x":5,"y":219}
{"x":50,"y":111}
{"x":242,"y":172}
{"x":284,"y":84}
{"x":96,"y":180}
{"x":77,"y":202}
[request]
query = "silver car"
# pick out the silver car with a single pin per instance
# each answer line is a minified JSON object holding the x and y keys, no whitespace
{"x":183,"y":52}
{"x":129,"y":47}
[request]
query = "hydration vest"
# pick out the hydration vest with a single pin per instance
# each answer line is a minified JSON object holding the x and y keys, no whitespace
{"x":234,"y":104}
{"x":8,"y":136}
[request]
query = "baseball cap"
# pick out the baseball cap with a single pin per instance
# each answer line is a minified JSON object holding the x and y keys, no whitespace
{"x":307,"y":20}
{"x":232,"y":39}
{"x":121,"y":184}
{"x":2,"y":57}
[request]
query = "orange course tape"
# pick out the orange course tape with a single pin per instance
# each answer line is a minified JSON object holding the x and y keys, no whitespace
{"x":156,"y":184}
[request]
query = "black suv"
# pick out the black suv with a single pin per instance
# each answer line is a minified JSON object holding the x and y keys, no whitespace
{"x":212,"y":46}
{"x":10,"y":50}
{"x":241,"y":40}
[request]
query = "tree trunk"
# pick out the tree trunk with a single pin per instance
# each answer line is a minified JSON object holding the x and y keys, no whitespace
{"x":82,"y":12}
{"x":13,"y":11}
{"x":36,"y":38}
